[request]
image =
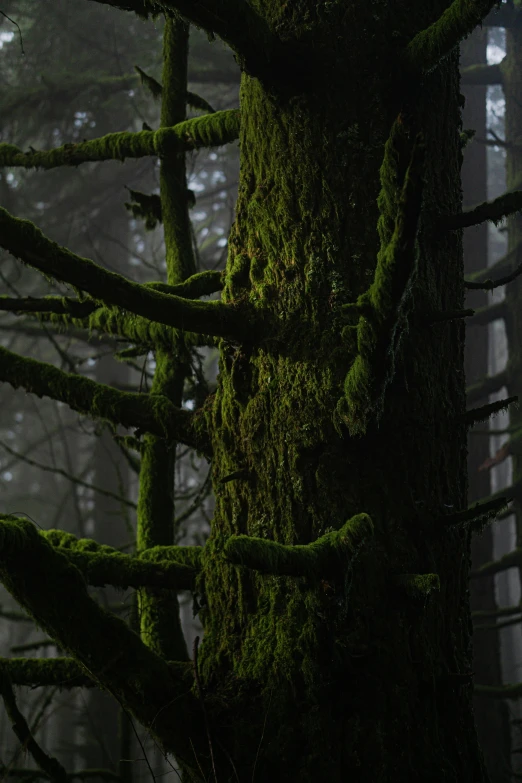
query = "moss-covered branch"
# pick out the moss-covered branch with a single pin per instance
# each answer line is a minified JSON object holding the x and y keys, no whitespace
{"x":483,"y":413}
{"x":54,"y":593}
{"x":499,"y":691}
{"x":495,"y":211}
{"x":510,"y":560}
{"x":48,"y":304}
{"x":102,"y":565}
{"x":504,"y":611}
{"x":210,"y":130}
{"x":488,"y":385}
{"x":50,"y":765}
{"x":93,"y":316}
{"x":144,"y":333}
{"x":481,"y":74}
{"x":504,"y":264}
{"x":41,"y":672}
{"x":488,"y":314}
{"x":26,"y":242}
{"x":478,"y":515}
{"x":200,"y":284}
{"x":427,"y":48}
{"x":189,"y":556}
{"x":489,"y":284}
{"x":151,"y":413}
{"x":378,"y":331}
{"x":323,"y":557}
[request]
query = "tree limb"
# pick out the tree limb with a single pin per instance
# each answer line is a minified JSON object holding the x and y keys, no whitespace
{"x":478,"y":515}
{"x":42,"y":672}
{"x":503,"y":264}
{"x":489,"y":285}
{"x":59,"y":312}
{"x":151,"y":413}
{"x":483,"y":413}
{"x":55,"y":771}
{"x":511,"y":559}
{"x":485,"y":315}
{"x":54,"y":592}
{"x":27,"y":242}
{"x":427,"y":48}
{"x":103,"y":565}
{"x":495,"y":211}
{"x":322,"y":557}
{"x":378,"y":331}
{"x":485,"y":386}
{"x":481,"y":74}
{"x":210,"y":130}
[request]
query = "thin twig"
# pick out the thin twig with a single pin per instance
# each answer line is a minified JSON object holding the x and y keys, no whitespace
{"x":19,"y":31}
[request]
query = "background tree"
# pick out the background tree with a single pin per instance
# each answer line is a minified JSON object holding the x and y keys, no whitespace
{"x":492,"y":721}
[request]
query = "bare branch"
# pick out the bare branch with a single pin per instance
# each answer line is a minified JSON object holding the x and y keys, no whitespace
{"x":48,"y":764}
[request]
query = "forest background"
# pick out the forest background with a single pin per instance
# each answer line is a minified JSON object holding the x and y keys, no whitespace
{"x":68,"y":73}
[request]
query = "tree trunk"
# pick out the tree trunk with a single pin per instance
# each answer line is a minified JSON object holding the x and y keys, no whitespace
{"x":492,"y":720}
{"x":358,"y":675}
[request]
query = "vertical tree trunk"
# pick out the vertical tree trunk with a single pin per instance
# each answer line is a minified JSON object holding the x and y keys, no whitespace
{"x":362,"y":674}
{"x":111,"y":527}
{"x":492,"y":719}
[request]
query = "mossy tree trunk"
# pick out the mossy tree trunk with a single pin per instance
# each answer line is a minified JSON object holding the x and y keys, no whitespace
{"x":334,"y":583}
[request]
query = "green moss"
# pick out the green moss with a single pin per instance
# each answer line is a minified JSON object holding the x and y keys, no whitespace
{"x":102,"y":565}
{"x":35,"y":573}
{"x":323,"y":557}
{"x":379,"y":329}
{"x":212,"y":130}
{"x":153,"y":413}
{"x":428,"y":47}
{"x":61,"y":673}
{"x":419,"y":585}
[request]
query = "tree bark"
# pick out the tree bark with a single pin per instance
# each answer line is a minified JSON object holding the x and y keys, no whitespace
{"x":344,"y":677}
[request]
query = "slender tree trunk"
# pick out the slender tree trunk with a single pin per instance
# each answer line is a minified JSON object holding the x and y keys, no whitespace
{"x":112,"y":521}
{"x":512,"y":85}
